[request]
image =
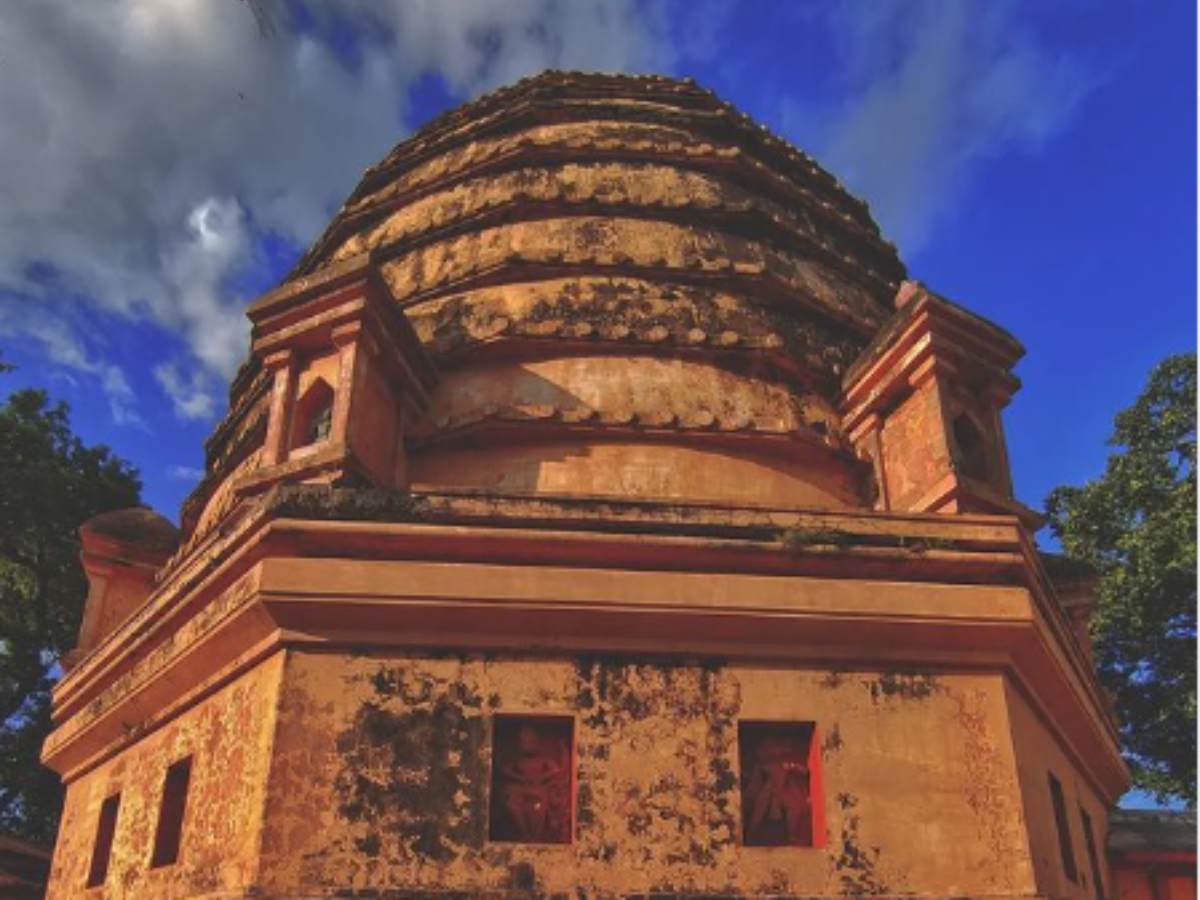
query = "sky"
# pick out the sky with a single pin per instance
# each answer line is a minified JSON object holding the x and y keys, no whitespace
{"x":162,"y":162}
{"x":165,"y":161}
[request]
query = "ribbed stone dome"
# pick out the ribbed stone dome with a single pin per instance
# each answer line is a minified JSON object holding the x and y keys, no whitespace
{"x":634,"y":201}
{"x":626,"y":286}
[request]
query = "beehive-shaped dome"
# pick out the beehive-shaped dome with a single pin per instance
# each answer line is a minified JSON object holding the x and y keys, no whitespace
{"x":626,"y":287}
{"x":596,"y":515}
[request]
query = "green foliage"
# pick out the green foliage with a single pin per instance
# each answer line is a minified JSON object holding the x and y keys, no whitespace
{"x":50,"y":483}
{"x":1136,"y":525}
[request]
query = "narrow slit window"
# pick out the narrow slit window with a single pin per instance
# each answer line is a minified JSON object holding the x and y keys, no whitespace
{"x":170,"y":813}
{"x":1064,"y":829}
{"x":1089,"y":839}
{"x":972,"y":448}
{"x":106,"y":830}
{"x":780,"y":782}
{"x":533,"y":785}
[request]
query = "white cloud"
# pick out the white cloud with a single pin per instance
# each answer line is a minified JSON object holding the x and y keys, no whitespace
{"x":147,"y":146}
{"x":933,"y":87}
{"x":217,"y":243}
{"x":185,"y":473}
{"x":120,"y":395}
{"x":192,"y":394}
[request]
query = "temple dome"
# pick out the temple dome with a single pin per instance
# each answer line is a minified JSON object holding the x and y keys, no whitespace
{"x":616,"y":200}
{"x":626,"y":287}
{"x":136,"y":527}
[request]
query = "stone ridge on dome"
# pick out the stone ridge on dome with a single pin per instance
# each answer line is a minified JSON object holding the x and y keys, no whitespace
{"x":578,"y":83}
{"x":480,"y":120}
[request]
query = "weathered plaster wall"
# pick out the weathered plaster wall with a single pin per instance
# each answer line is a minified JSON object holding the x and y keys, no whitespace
{"x":656,"y":470}
{"x":374,"y":433}
{"x":622,"y":390}
{"x":228,"y":736}
{"x":915,"y":450}
{"x":224,"y":496}
{"x":1038,"y":754}
{"x":380,"y":778}
{"x":114,"y":592}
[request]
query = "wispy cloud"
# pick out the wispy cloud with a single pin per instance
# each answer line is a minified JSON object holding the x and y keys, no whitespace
{"x":63,"y":345}
{"x":185,"y":473}
{"x":191,"y":393}
{"x":148,"y":148}
{"x":930,"y":89}
{"x":152,"y":147}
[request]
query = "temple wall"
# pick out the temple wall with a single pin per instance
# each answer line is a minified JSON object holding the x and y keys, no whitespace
{"x":374,"y":434}
{"x":228,"y":736}
{"x":810,"y":478}
{"x":620,"y":294}
{"x":915,"y":451}
{"x":382,"y":766}
{"x":115,"y":591}
{"x":1039,"y":754}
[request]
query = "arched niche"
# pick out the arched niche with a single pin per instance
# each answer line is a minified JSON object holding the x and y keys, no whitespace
{"x":972,"y":443}
{"x":313,"y":416}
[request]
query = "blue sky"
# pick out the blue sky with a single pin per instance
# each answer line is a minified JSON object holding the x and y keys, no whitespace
{"x":162,"y":164}
{"x":1035,"y":162}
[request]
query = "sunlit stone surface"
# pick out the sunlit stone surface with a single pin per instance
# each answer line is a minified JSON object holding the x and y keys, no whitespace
{"x":601,"y":511}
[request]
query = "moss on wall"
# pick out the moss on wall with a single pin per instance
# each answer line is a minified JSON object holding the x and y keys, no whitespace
{"x":382,"y":768}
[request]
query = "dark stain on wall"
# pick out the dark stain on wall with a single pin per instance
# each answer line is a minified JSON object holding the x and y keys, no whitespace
{"x":833,"y":740}
{"x":616,"y":697}
{"x":902,"y":686}
{"x":584,"y":815}
{"x":833,"y":680}
{"x":522,"y":876}
{"x":854,"y":864}
{"x":411,"y":754}
{"x":639,"y":822}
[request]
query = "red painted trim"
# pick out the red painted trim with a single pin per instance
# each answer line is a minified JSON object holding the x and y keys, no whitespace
{"x":816,"y":788}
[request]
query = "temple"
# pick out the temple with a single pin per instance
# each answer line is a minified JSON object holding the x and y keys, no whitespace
{"x":601,"y":510}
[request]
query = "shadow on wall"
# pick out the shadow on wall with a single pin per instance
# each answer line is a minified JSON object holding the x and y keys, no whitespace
{"x":510,"y":428}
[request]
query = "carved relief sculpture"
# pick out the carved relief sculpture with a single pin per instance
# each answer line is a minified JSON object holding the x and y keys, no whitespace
{"x":531,"y":780}
{"x":776,"y":784}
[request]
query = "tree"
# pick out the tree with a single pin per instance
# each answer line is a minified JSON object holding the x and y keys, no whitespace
{"x":1136,"y":525}
{"x":50,"y":483}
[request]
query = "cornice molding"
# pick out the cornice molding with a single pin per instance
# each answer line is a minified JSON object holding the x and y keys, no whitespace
{"x":479,"y":572}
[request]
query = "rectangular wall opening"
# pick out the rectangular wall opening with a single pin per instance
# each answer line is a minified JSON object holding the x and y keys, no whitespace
{"x":106,"y":830}
{"x":170,"y":813}
{"x":1089,"y":840}
{"x":533,"y":780}
{"x":782,"y":805}
{"x":1064,"y":829}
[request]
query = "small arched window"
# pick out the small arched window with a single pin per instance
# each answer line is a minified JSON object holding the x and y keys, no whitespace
{"x":314,"y":415}
{"x":972,"y":448}
{"x":318,"y":428}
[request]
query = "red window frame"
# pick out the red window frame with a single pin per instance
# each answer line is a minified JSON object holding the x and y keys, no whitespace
{"x":751,"y":732}
{"x":508,"y":797}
